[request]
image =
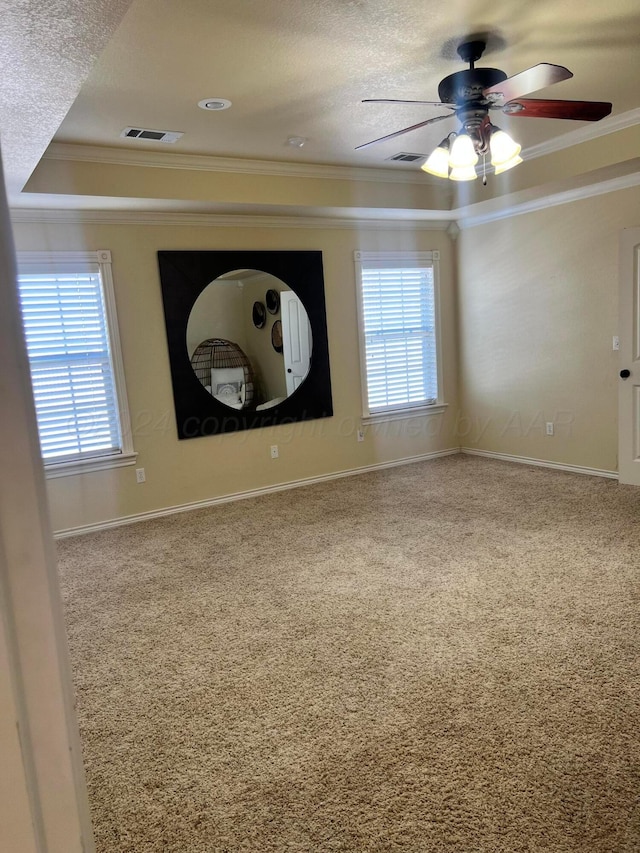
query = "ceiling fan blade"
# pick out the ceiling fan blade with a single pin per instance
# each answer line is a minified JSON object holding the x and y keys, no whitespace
{"x":531,"y":80}
{"x":404,"y":130}
{"x":538,"y":108}
{"x":396,"y":101}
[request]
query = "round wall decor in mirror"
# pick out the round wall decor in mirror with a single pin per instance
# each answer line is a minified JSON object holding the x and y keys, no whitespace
{"x":227,"y":374}
{"x":259,"y":315}
{"x":272,"y":301}
{"x":276,"y":336}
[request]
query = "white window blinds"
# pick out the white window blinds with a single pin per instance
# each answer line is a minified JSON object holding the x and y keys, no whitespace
{"x":399,"y":317}
{"x":72,"y":371}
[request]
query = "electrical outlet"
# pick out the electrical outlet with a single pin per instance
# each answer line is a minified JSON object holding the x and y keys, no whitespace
{"x":616,"y":343}
{"x":274,"y":451}
{"x":360,"y":435}
{"x":141,"y":477}
{"x":549,"y":428}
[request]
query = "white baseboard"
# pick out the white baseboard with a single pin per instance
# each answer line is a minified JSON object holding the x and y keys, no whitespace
{"x":541,"y":463}
{"x":251,"y":493}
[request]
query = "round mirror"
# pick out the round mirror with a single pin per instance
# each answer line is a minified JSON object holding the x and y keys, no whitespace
{"x":234,"y":358}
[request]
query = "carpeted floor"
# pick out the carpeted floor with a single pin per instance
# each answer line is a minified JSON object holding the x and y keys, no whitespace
{"x":435,"y":658}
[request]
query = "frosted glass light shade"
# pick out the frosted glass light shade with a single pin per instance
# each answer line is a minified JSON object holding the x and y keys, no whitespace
{"x":503,"y":148}
{"x":463,"y":154}
{"x":437,"y":163}
{"x":463,"y":173}
{"x":503,"y":167}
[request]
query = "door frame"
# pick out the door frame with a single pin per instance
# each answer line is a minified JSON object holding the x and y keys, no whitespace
{"x":44,"y":804}
{"x":629,"y":358}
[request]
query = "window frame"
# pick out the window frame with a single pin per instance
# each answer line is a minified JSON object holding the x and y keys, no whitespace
{"x":57,"y":261}
{"x":408,"y":260}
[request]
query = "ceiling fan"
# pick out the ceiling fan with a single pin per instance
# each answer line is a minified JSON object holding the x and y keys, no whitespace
{"x":471,"y":94}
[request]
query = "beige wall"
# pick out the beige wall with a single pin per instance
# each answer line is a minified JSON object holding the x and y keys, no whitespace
{"x":217,"y":313}
{"x":538,"y":309}
{"x":180,"y":472}
{"x":535,"y":312}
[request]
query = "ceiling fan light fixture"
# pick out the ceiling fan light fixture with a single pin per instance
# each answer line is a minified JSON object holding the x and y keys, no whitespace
{"x":504,"y":150}
{"x":471,"y":93}
{"x":463,"y":154}
{"x":463,"y":173}
{"x":503,"y":167}
{"x":438,"y":161}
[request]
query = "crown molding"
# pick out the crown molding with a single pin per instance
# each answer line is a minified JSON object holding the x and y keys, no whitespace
{"x":453,"y":230}
{"x":622,"y":182}
{"x":141,"y":217}
{"x":432,"y":220}
{"x":230,"y":165}
{"x":208,"y":163}
{"x":452,"y":222}
{"x":611,"y":124}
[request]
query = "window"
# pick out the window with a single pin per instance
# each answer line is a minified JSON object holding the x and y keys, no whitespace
{"x":399,"y":333}
{"x":69,"y":318}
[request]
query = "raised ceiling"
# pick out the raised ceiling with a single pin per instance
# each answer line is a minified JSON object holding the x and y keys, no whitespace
{"x":302,"y":67}
{"x":46,"y":52}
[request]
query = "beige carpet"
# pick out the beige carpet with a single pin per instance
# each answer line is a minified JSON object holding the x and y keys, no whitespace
{"x":440,"y":657}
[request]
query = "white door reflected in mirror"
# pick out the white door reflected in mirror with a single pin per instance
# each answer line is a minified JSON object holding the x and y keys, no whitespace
{"x":296,"y":340}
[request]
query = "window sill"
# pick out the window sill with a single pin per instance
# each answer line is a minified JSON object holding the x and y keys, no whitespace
{"x":403,"y":414}
{"x":86,"y":466}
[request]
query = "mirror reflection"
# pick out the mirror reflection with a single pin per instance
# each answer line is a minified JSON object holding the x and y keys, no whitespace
{"x":245,"y":356}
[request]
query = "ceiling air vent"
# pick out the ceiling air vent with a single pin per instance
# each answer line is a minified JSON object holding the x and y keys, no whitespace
{"x":151,"y":135}
{"x":403,"y":157}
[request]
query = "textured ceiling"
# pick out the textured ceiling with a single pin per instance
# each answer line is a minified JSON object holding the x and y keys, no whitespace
{"x":302,"y":67}
{"x":291,"y":68}
{"x":46,"y":51}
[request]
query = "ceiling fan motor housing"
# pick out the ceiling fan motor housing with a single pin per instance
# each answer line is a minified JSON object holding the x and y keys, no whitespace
{"x":465,"y":86}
